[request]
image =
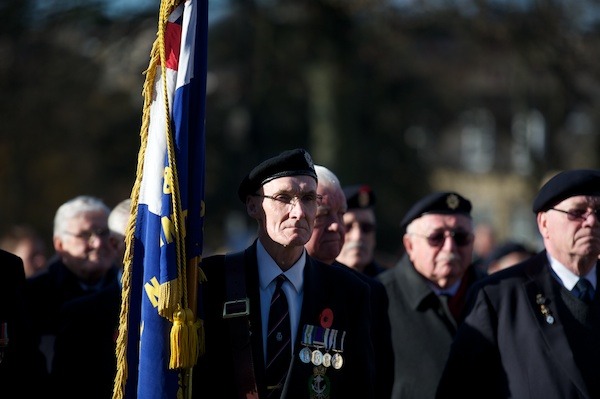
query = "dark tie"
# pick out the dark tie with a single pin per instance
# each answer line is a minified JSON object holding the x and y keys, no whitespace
{"x":584,"y":290}
{"x":279,"y":351}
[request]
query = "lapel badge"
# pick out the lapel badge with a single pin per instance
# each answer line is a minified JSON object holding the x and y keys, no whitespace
{"x":319,"y":384}
{"x":541,"y":300}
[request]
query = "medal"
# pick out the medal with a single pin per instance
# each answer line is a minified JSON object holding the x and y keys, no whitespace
{"x":305,"y":355}
{"x":541,"y":300}
{"x":317,"y":357}
{"x":327,"y":359}
{"x":337,"y":361}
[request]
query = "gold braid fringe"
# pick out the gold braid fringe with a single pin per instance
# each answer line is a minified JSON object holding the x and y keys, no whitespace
{"x":185,"y":344}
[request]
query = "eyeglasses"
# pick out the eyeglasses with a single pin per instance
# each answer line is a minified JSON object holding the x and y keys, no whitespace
{"x":88,"y":235}
{"x":437,"y":239}
{"x":309,"y":199}
{"x":579,"y":214}
{"x":364,"y":227}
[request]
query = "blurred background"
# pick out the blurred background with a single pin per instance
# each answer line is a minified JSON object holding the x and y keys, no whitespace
{"x":487,"y":98}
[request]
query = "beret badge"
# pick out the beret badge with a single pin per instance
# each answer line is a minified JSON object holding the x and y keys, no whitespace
{"x":452,"y":201}
{"x":363,"y":199}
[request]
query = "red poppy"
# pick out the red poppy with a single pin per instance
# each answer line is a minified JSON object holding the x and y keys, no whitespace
{"x":326,"y":318}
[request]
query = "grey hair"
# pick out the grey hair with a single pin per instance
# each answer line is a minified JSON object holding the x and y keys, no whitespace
{"x":327,"y":177}
{"x":119,"y":217}
{"x":75,"y":207}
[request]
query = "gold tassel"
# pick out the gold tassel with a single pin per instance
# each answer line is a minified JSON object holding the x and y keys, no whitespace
{"x":186,"y":343}
{"x":179,"y":338}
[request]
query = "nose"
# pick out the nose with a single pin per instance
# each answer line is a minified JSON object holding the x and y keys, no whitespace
{"x":449,"y":238}
{"x":296,"y":207}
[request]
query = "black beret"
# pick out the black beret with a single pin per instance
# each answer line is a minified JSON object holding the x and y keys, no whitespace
{"x":359,"y":196}
{"x":297,"y":162}
{"x":567,"y":184}
{"x":446,"y":203}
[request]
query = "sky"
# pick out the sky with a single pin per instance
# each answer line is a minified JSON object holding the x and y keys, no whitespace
{"x":216,"y":8}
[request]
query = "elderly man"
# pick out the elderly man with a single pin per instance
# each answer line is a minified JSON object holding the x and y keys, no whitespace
{"x":325,"y":243}
{"x":533,"y":330}
{"x":319,"y":346}
{"x":76,"y":301}
{"x":427,"y":290}
{"x":360,"y":224}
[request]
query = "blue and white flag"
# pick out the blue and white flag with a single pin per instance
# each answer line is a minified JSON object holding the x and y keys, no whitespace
{"x":158,"y":335}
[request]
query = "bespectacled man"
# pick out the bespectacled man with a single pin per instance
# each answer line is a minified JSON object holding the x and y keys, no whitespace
{"x":427,"y":290}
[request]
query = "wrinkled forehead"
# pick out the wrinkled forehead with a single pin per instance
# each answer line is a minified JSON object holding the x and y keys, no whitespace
{"x":434,"y":221}
{"x":291,"y":184}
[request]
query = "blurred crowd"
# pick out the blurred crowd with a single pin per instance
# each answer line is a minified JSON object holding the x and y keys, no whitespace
{"x":458,"y":294}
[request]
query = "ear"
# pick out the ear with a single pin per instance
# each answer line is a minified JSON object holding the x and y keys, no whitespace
{"x":407,"y":241}
{"x":542,"y":222}
{"x":58,"y":243}
{"x":252,"y":208}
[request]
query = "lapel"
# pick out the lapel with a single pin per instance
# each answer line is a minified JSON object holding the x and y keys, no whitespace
{"x":542,"y":291}
{"x":253,"y":292}
{"x":314,"y":294}
{"x":412,"y":285}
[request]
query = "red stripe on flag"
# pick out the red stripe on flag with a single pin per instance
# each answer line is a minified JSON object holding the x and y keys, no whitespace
{"x":172,"y":45}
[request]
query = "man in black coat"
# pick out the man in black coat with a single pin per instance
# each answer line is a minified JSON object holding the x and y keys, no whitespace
{"x":531,"y":331}
{"x":331,"y":354}
{"x":325,"y":244}
{"x":23,"y":371}
{"x":76,"y":302}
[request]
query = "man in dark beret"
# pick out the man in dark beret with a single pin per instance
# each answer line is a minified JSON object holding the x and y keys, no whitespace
{"x":360,"y":240}
{"x":533,"y":330}
{"x":322,"y":332}
{"x":427,"y":290}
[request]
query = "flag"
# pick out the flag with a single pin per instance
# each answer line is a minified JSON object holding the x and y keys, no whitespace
{"x":160,"y":335}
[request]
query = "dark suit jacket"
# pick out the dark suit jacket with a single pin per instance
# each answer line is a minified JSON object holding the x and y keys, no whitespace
{"x":325,"y":287}
{"x":84,"y":325}
{"x":22,"y":368}
{"x":381,"y":334}
{"x":519,"y":340}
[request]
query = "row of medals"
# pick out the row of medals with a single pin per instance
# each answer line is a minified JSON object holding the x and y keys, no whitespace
{"x":319,"y":358}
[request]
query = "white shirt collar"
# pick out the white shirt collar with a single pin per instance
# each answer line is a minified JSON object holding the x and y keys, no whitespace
{"x":567,"y":277}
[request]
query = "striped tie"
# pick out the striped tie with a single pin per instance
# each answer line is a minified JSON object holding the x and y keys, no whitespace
{"x":279,"y":351}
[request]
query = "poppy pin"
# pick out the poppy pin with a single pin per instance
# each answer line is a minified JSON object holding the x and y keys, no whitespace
{"x":326,"y":318}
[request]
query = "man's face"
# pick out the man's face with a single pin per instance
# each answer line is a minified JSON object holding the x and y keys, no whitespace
{"x":437,"y":255}
{"x":359,"y":241}
{"x":286,"y":209}
{"x":85,"y":247}
{"x":571,"y":231}
{"x":328,"y":235}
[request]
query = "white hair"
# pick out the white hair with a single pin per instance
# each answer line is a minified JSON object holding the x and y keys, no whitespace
{"x":327,"y":177}
{"x":75,"y":207}
{"x":119,"y":217}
